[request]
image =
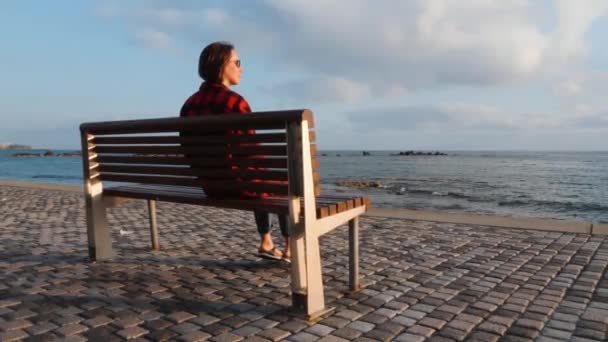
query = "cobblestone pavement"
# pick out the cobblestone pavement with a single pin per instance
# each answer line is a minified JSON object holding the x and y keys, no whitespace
{"x":424,"y":281}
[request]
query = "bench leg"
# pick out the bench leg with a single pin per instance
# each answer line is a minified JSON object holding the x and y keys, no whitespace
{"x":98,"y":230}
{"x":298,"y":264}
{"x":153,"y":225}
{"x":307,"y":282}
{"x":315,"y":301}
{"x":353,"y":256}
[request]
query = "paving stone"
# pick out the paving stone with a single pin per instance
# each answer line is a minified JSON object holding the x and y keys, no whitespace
{"x":347,"y":333}
{"x":293,"y":326}
{"x":71,"y":329}
{"x":128,"y":322}
{"x":420,"y":330}
{"x":274,"y":334}
{"x":40,"y":328}
{"x":407,"y":337}
{"x":452,"y":333}
{"x":432,"y":323}
{"x":599,"y":335}
{"x":523,"y":332}
{"x":483,"y":336}
{"x":15,"y":324}
{"x":348,"y":314}
{"x":216,"y":329}
{"x":204,"y":319}
{"x":361,"y":326}
{"x":596,"y":315}
{"x":528,"y":323}
{"x":461,"y":325}
{"x":320,"y":330}
{"x":13,"y":335}
{"x":97,"y":321}
{"x":335,"y":322}
{"x":227,"y":337}
{"x":180,"y":317}
{"x":195,"y":336}
{"x":404,"y":321}
{"x":557,"y":334}
{"x":374,"y":318}
{"x":185,"y":328}
{"x":265,"y":323}
{"x":303,"y":337}
{"x":132,"y":332}
{"x":332,"y":338}
{"x":161,"y":335}
{"x":413,"y":314}
{"x":380,"y":335}
{"x":561,"y":325}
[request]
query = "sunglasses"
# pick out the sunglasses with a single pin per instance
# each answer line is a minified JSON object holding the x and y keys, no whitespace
{"x":237,"y":63}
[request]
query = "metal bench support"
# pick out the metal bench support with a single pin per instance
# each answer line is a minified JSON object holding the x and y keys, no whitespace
{"x":353,"y":240}
{"x":153,"y":225}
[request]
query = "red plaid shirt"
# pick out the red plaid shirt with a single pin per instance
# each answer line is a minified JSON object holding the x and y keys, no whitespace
{"x":214,"y":98}
{"x":217,"y":99}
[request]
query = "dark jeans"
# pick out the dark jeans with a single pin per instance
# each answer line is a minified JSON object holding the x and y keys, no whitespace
{"x":262,"y":220}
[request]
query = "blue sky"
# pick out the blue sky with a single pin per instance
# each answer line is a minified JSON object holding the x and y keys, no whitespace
{"x":417,"y":74}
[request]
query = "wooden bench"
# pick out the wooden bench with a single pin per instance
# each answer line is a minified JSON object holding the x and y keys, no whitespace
{"x":170,"y":159}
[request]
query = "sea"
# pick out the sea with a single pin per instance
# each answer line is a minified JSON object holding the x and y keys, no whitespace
{"x":561,"y":185}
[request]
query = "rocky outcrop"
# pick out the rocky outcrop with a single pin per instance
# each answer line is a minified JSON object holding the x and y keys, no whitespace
{"x":360,"y":184}
{"x":70,"y":154}
{"x":25,"y":155}
{"x":47,"y":153}
{"x":419,"y":153}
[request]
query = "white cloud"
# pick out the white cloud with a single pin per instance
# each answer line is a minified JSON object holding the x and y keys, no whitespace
{"x":566,"y":88}
{"x":155,"y":39}
{"x":405,"y":44}
{"x":322,"y":90}
{"x":452,"y":117}
{"x":574,"y":20}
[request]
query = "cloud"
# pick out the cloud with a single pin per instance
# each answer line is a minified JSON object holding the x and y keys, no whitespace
{"x":588,"y":116}
{"x":596,"y":120}
{"x":566,"y":88}
{"x":449,"y":117}
{"x":381,"y":48}
{"x":574,"y":20}
{"x":155,"y":39}
{"x":320,"y":91}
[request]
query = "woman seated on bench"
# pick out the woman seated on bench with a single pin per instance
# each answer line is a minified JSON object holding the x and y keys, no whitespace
{"x":220,"y":68}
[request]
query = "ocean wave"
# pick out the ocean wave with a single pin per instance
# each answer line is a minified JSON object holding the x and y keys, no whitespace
{"x":555,"y":205}
{"x":434,"y":193}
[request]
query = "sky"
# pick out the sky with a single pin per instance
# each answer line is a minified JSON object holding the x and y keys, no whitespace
{"x":378,"y":75}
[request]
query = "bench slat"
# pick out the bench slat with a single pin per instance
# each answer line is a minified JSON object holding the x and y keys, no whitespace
{"x":195,"y":150}
{"x":273,"y":163}
{"x":187,"y":171}
{"x":326,"y":206}
{"x":260,"y":120}
{"x":194,"y":140}
{"x":216,"y":185}
{"x":250,"y":204}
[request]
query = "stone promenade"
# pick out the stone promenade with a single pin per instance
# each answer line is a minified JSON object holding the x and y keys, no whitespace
{"x":424,"y":281}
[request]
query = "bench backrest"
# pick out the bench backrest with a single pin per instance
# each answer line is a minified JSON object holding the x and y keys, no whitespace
{"x":211,"y":151}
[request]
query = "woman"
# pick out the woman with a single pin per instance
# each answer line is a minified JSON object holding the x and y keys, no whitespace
{"x":220,"y":68}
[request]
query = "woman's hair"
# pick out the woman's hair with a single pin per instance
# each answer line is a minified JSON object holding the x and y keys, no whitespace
{"x":212,"y":60}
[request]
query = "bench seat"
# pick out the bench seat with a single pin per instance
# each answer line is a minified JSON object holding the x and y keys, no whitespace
{"x":325,"y":205}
